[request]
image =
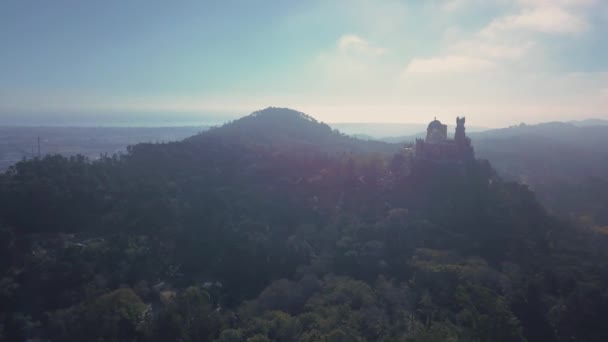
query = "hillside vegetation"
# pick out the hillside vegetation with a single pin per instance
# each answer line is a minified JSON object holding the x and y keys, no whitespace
{"x":276,"y":228}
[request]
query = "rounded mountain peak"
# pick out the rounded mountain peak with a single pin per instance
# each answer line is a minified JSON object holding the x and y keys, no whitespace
{"x":276,"y":113}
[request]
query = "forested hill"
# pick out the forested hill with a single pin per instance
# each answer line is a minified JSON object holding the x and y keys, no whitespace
{"x":276,"y":228}
{"x":284,"y":129}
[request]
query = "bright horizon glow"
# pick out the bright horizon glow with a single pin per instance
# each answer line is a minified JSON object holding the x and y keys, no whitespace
{"x":498,"y":62}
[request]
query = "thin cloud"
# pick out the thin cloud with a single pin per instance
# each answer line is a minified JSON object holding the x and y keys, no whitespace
{"x":448,"y":64}
{"x":508,"y":39}
{"x":353,"y":62}
{"x":351,"y":43}
{"x":546,"y":19}
{"x":560,"y":3}
{"x":456,"y":5}
{"x":493,"y":49}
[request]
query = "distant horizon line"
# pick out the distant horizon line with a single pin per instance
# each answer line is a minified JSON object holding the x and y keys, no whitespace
{"x":161,"y":119}
{"x":197,"y":124}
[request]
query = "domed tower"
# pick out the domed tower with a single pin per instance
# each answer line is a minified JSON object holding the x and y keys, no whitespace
{"x":436,"y":132}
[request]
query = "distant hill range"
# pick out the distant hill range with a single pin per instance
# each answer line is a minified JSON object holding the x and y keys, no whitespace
{"x":542,"y":153}
{"x":590,"y":122}
{"x":408,"y":132}
{"x":537,"y":154}
{"x":390,"y":132}
{"x":532,"y":154}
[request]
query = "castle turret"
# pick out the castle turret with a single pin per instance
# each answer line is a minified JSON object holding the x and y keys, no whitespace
{"x":460,"y":136}
{"x":437,"y":146}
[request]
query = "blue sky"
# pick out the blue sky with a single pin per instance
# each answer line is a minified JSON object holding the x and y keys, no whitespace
{"x":499,"y":62}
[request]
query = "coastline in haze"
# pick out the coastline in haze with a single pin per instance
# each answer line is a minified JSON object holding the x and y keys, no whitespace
{"x":114,"y":119}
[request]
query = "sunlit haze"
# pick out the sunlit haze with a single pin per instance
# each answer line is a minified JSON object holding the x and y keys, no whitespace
{"x":310,"y":170}
{"x":499,"y":62}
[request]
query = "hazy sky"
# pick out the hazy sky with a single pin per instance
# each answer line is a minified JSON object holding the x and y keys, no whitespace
{"x":499,"y":62}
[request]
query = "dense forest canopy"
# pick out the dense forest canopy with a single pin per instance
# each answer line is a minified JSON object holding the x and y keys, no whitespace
{"x":276,"y":228}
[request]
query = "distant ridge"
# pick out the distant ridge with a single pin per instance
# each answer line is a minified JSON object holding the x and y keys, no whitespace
{"x":571,"y":131}
{"x":589,"y":122}
{"x":390,"y":131}
{"x":565,"y":132}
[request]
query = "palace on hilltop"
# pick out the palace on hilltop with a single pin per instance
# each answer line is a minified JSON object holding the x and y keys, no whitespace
{"x":437,"y":147}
